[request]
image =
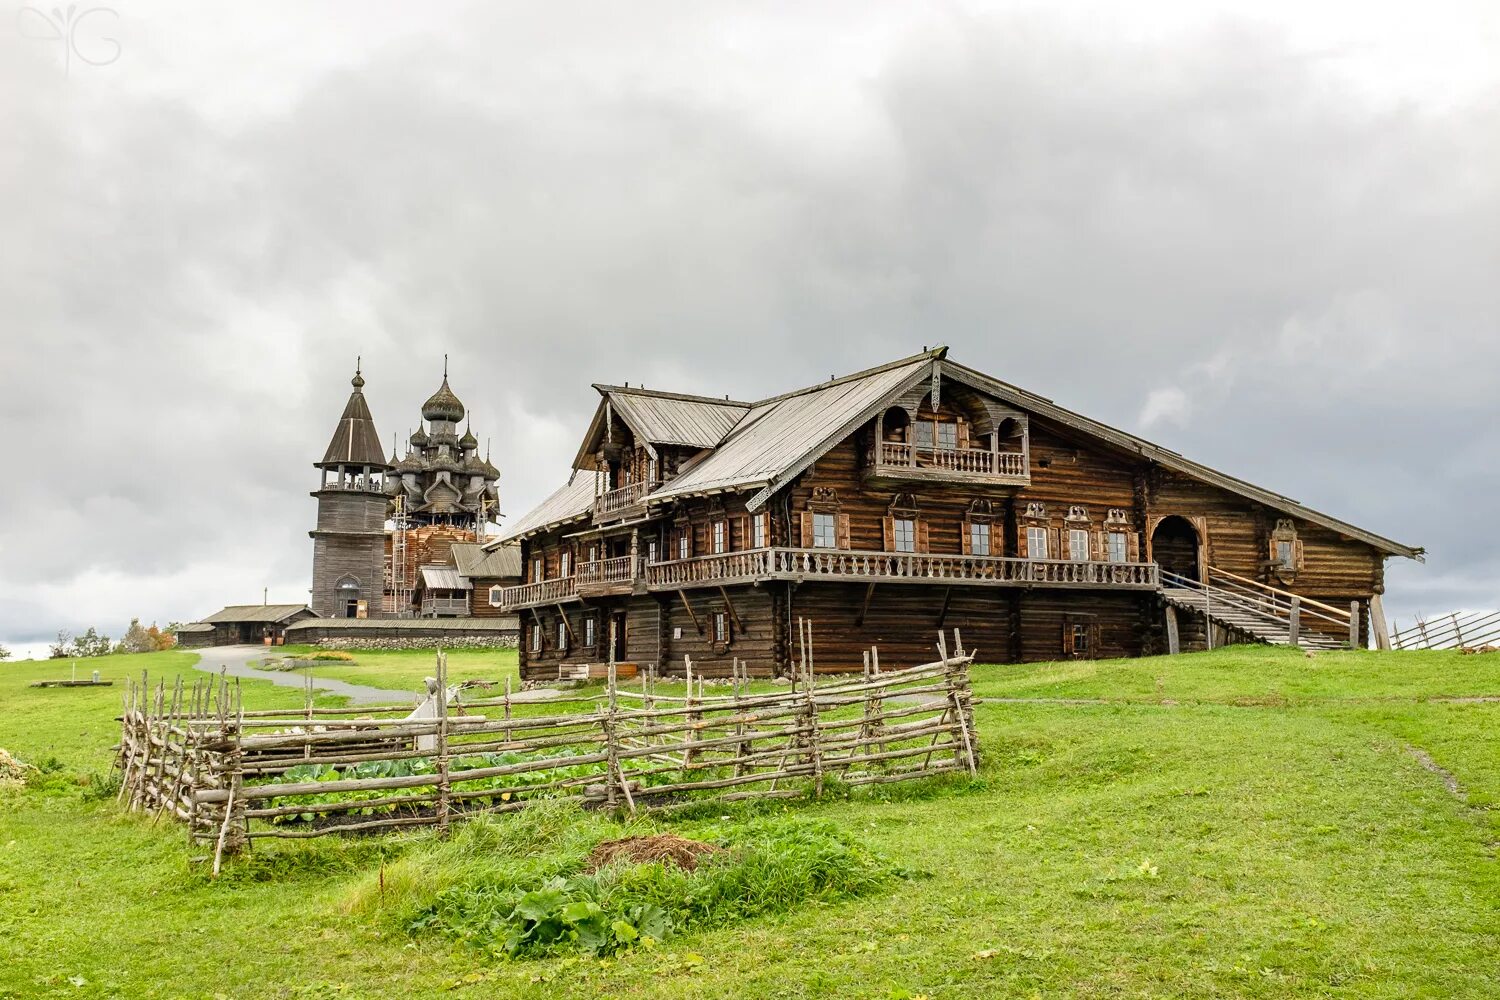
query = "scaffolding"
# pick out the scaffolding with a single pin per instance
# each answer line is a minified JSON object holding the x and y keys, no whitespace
{"x":399,"y":584}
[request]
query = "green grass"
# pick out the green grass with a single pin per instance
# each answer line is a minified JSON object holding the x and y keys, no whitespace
{"x":404,"y":670}
{"x":1243,"y":823}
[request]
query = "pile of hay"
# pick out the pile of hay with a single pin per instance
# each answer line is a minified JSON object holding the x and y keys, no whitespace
{"x":13,"y":772}
{"x":663,"y":847}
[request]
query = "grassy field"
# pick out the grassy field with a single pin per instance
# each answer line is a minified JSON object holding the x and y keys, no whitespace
{"x":1249,"y":822}
{"x":404,"y":670}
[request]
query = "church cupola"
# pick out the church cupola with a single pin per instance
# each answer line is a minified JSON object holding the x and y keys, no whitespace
{"x":355,"y":453}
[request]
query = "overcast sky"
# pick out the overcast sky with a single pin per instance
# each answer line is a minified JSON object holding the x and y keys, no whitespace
{"x":1266,"y":237}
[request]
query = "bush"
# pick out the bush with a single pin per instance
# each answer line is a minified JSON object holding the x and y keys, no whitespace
{"x":767,"y":866}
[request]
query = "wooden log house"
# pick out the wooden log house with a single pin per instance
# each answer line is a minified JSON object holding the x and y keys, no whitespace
{"x":897,"y":501}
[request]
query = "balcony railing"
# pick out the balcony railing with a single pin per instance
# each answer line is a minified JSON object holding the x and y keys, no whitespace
{"x":753,"y":565}
{"x":542,"y":592}
{"x":898,"y":567}
{"x":894,"y":456}
{"x":622,"y":501}
{"x":433,"y":606}
{"x":602,"y":572}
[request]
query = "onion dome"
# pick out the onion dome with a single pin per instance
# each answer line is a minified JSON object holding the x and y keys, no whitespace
{"x":490,"y":472}
{"x":418,"y":438}
{"x":411,"y":463}
{"x":468,"y":442}
{"x":443,"y":405}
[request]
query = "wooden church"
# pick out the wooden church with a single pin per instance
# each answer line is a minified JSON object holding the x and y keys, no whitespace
{"x":891,"y":503}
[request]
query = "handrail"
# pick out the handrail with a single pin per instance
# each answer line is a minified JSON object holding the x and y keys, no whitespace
{"x":1283,"y":607}
{"x":1222,"y":596}
{"x":1344,"y":614}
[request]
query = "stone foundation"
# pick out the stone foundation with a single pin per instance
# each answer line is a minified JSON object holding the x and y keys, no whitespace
{"x":488,"y":640}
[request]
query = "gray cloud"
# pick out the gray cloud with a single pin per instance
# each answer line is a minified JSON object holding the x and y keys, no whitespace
{"x":1216,"y":237}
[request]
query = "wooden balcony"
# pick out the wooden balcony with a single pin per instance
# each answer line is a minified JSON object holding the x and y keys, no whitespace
{"x":895,"y":460}
{"x":530,"y":595}
{"x":445,"y":607}
{"x":620,"y":504}
{"x":899,"y":567}
{"x":604,"y":577}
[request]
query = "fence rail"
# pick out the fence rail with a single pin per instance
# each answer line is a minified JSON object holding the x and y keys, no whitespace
{"x":232,"y":776}
{"x":620,"y":569}
{"x":1455,"y":630}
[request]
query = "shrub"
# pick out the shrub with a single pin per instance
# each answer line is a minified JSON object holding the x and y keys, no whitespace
{"x":767,"y":866}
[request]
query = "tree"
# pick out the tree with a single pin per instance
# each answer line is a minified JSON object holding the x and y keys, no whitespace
{"x":161,"y":639}
{"x":137,"y":639}
{"x":63,"y":647}
{"x":4,"y":653}
{"x":91,"y":643}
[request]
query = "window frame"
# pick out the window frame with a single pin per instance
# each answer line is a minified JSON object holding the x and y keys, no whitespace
{"x":721,"y":628}
{"x":590,"y":632}
{"x":821,"y":518}
{"x":1035,"y":533}
{"x":536,"y":638}
{"x":562,"y":634}
{"x":981,"y":530}
{"x":718,"y":537}
{"x":760,"y":530}
{"x":942,"y":431}
{"x":1123,"y":537}
{"x":1073,"y":535}
{"x":565,"y":564}
{"x":495,"y":591}
{"x":907,"y":527}
{"x":685,"y":543}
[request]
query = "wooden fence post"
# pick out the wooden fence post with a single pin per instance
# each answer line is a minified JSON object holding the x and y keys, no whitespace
{"x":1353,"y":624}
{"x":1294,"y":623}
{"x":1174,"y":640}
{"x":444,"y":784}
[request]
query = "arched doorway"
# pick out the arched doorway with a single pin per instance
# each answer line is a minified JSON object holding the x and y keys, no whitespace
{"x":348,"y":597}
{"x":1175,"y":545}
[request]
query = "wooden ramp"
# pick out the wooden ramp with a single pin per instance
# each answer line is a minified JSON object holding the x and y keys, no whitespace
{"x":1268,"y":618}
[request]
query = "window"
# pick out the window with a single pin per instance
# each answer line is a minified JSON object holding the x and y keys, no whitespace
{"x":651,"y":551}
{"x":1117,"y":546}
{"x":1036,"y":543}
{"x":758,"y":530}
{"x":1080,"y":640}
{"x":720,"y":537}
{"x":589,"y":628}
{"x":565,"y":565}
{"x":538,"y":569}
{"x":922,"y":433}
{"x":979,"y":539}
{"x":1286,"y":554}
{"x":904,"y":531}
{"x":495,"y":596}
{"x":825,"y":531}
{"x":721,"y":627}
{"x":1078,"y":544}
{"x":685,"y":543}
{"x":562,"y":633}
{"x":593,"y":553}
{"x":947,"y":436}
{"x":536,"y":638}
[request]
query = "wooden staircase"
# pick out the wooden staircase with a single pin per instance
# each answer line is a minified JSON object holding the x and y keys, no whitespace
{"x":1256,"y":611}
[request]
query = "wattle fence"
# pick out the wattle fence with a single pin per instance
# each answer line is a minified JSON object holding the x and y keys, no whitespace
{"x":233,"y":775}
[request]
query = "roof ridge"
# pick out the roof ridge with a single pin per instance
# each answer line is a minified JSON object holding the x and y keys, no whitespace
{"x":934,"y":354}
{"x":685,"y":397}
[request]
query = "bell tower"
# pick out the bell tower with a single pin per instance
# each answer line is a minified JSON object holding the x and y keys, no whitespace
{"x":349,"y":541}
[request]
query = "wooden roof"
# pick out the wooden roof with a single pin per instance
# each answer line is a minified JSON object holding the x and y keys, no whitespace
{"x":478,"y":563}
{"x":255,"y":613}
{"x":773,"y":441}
{"x":660,"y":418}
{"x":572,"y":502}
{"x":355,"y":440}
